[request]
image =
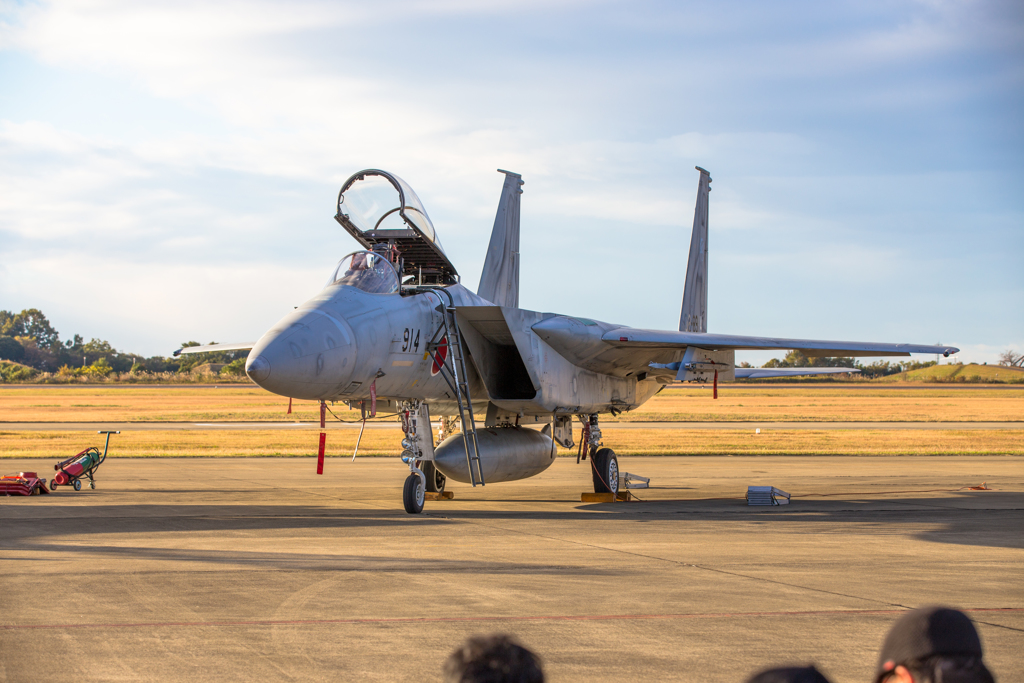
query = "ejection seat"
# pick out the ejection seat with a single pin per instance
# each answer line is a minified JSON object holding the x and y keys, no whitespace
{"x":383,"y":214}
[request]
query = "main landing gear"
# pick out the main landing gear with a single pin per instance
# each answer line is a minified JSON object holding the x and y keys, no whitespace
{"x":603,"y":463}
{"x":435,"y":480}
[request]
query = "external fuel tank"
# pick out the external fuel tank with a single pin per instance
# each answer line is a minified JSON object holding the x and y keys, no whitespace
{"x":506,"y":454}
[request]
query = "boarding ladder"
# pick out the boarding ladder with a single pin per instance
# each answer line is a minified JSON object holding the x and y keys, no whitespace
{"x":459,"y":381}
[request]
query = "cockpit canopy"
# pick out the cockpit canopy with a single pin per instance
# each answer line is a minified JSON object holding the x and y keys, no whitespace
{"x":380,"y":210}
{"x":366,"y":271}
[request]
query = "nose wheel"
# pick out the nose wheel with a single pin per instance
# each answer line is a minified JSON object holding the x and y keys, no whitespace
{"x":413,"y":494}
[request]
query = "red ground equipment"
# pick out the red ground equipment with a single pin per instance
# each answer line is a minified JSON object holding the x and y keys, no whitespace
{"x":22,"y":484}
{"x":70,"y":471}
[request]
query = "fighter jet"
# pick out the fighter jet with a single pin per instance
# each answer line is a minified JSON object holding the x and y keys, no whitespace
{"x":394,"y":326}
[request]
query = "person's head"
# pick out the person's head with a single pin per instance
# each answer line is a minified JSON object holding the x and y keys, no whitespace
{"x":789,"y":674}
{"x":492,"y":659}
{"x":932,"y":645}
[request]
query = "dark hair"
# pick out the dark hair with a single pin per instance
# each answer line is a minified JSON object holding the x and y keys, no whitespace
{"x":789,"y":674}
{"x":947,"y":669}
{"x":492,"y":659}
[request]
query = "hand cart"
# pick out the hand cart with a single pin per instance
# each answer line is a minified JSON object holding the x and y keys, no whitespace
{"x":84,"y":464}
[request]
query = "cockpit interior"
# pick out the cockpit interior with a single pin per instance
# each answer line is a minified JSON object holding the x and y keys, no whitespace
{"x":367,"y":271}
{"x":385,"y":216}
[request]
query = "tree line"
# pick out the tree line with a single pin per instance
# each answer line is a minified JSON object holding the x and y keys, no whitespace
{"x":29,"y":339}
{"x":879,"y":368}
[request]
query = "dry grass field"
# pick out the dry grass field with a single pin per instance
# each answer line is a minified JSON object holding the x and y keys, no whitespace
{"x":52,"y":446}
{"x":736,"y":403}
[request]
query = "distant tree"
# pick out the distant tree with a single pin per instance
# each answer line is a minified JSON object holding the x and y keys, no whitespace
{"x":161,"y":364}
{"x":101,"y":368}
{"x":98,"y":347}
{"x":38,"y":357}
{"x":11,"y":372}
{"x":797,"y":359}
{"x":235,"y":367}
{"x":10,"y":349}
{"x":30,"y":323}
{"x":29,"y":338}
{"x":1011,"y":358}
{"x":883,"y":368}
{"x":880,"y":368}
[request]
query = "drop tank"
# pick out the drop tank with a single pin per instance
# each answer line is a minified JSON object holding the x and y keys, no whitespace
{"x":506,"y":454}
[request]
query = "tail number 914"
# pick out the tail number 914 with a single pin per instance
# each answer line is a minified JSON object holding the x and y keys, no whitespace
{"x":411,"y":340}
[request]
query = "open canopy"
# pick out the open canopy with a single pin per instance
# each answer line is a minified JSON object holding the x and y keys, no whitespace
{"x":379,"y":208}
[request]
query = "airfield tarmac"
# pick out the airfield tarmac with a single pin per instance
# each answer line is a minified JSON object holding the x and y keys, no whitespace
{"x":257,"y":569}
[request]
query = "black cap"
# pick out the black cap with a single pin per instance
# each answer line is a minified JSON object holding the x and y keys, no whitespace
{"x":789,"y":674}
{"x":928,"y":632}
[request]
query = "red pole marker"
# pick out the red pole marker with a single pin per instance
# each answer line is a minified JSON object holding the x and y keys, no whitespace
{"x":320,"y":453}
{"x":323,"y":439}
{"x":716,"y":385}
{"x":373,"y":398}
{"x":289,"y":405}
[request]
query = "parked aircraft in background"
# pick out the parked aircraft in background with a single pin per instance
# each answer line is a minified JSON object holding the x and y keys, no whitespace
{"x":394,"y":325}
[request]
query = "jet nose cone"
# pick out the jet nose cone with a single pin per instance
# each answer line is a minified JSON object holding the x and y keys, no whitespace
{"x":258,"y":369}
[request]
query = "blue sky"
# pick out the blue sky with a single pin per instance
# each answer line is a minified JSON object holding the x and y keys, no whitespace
{"x":168,"y":171}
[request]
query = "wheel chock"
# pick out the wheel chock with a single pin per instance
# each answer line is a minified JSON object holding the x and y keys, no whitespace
{"x":621,"y":497}
{"x":433,"y":495}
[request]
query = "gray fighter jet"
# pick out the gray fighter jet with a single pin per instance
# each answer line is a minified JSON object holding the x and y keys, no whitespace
{"x":394,"y":327}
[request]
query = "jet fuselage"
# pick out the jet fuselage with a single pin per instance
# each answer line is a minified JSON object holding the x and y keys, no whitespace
{"x":334,"y":346}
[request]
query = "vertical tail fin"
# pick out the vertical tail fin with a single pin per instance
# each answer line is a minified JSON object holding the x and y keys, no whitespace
{"x":499,"y":281}
{"x":694,"y":314}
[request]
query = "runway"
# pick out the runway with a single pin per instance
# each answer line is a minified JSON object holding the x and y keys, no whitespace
{"x":258,"y":569}
{"x":607,"y":424}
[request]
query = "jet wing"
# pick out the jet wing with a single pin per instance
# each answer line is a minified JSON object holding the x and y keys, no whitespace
{"x":629,"y":337}
{"x":765,"y":373}
{"x":237,"y":346}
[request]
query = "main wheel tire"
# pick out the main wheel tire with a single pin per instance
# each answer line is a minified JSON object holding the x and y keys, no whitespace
{"x":412,"y":494}
{"x":605,"y":468}
{"x":435,"y":480}
{"x":78,"y":485}
{"x":53,"y":486}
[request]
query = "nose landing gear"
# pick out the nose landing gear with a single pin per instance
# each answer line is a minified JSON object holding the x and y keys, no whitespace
{"x":419,"y":452}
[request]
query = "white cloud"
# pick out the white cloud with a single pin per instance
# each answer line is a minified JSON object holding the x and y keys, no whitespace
{"x":605,"y":112}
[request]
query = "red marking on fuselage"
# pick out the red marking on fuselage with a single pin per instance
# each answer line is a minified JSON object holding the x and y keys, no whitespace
{"x":439,"y":356}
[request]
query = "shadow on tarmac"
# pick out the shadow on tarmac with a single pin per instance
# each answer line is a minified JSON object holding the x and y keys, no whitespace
{"x":971,"y":518}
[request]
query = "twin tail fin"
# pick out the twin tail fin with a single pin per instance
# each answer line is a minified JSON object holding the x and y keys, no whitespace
{"x":694,"y":314}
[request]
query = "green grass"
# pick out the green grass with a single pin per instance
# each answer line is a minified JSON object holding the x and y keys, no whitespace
{"x":959,"y":373}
